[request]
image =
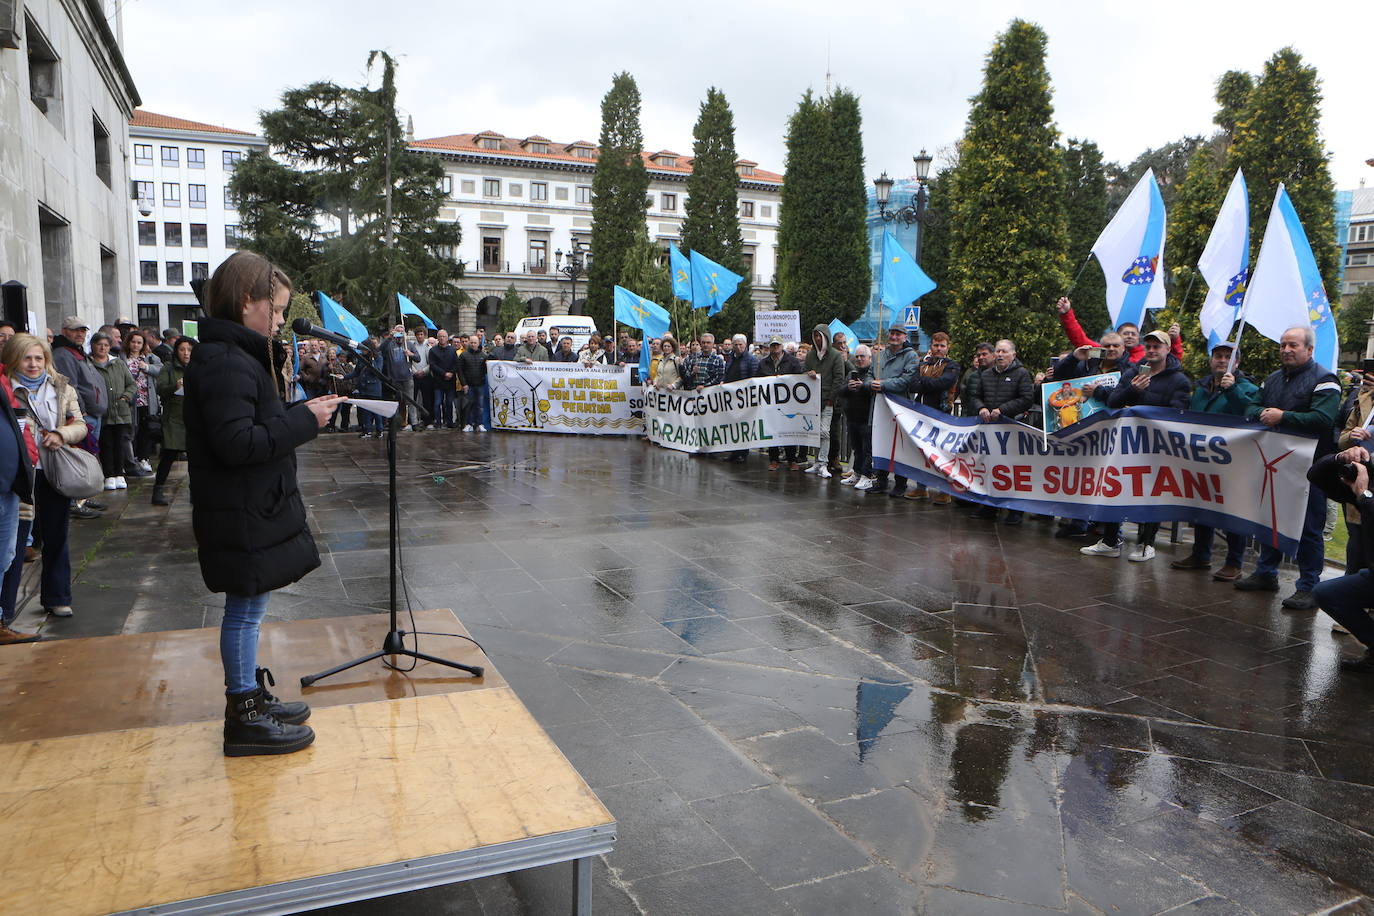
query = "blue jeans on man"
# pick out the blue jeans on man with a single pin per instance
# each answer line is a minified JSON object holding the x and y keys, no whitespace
{"x":1311,"y":557}
{"x":1346,"y":600}
{"x":472,"y":408}
{"x":443,"y":403}
{"x":1204,"y":535}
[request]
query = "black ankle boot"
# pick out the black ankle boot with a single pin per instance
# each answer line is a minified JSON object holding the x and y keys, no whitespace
{"x":249,"y":729}
{"x":160,"y":495}
{"x":290,"y":713}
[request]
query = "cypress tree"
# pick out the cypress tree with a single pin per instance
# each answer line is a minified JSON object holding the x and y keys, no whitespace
{"x":1277,"y":139}
{"x":711,"y":225}
{"x":823,"y":267}
{"x":1009,"y":231}
{"x":619,"y":196}
{"x":511,"y":311}
{"x":1086,"y":206}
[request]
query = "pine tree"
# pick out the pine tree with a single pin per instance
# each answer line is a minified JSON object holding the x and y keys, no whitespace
{"x":1232,"y":95}
{"x":642,"y":274}
{"x":1085,"y":181}
{"x":711,"y":225}
{"x":512,"y":310}
{"x":1008,"y":225}
{"x":1277,"y":139}
{"x":619,"y":201}
{"x":331,"y":147}
{"x":823,"y":266}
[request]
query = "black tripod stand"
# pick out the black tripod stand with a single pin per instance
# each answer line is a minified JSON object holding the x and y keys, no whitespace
{"x":394,"y":641}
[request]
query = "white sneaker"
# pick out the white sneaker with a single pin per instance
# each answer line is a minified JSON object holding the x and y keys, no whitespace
{"x":865,"y":483}
{"x":850,"y":476}
{"x":481,"y":428}
{"x":60,"y":611}
{"x":121,"y":483}
{"x":143,"y":463}
{"x":110,"y":484}
{"x":823,"y":472}
{"x":1101,"y":549}
{"x":1141,"y":553}
{"x":468,"y":428}
{"x":849,"y":480}
{"x":810,"y":468}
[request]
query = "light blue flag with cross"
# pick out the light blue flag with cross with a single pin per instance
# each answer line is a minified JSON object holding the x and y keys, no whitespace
{"x":638,"y":312}
{"x":712,"y":285}
{"x":682,"y":272}
{"x":410,"y":308}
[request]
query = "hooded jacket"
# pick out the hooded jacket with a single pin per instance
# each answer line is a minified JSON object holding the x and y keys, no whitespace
{"x":827,"y":362}
{"x":1168,"y":387}
{"x":1008,"y":390}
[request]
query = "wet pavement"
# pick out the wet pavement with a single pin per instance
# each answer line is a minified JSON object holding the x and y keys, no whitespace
{"x":800,"y":699}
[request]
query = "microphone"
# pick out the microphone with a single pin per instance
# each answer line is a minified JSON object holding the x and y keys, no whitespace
{"x":304,"y":328}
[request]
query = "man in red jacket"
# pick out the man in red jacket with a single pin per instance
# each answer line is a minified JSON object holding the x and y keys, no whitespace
{"x":1130,"y":334}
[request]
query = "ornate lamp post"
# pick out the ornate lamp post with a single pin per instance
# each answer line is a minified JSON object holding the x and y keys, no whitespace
{"x":908,"y":214}
{"x":578,"y":255}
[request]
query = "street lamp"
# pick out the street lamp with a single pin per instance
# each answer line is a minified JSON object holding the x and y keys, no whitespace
{"x":578,"y":255}
{"x":915,"y":212}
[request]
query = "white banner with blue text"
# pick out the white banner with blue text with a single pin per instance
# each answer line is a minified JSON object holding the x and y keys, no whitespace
{"x":753,"y":413}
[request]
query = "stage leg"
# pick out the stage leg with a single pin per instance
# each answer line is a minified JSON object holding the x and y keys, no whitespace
{"x":582,"y":886}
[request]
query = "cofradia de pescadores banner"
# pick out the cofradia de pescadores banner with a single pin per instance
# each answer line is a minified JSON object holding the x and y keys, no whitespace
{"x":754,"y":413}
{"x":564,"y":398}
{"x":1140,"y":464}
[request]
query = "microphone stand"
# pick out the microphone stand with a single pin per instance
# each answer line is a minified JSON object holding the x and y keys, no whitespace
{"x":394,"y":641}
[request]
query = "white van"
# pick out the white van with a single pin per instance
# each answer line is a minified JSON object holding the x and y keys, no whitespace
{"x":579,"y":327}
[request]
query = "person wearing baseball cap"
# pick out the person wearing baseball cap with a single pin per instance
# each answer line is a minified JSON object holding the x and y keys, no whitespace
{"x":1156,"y":381}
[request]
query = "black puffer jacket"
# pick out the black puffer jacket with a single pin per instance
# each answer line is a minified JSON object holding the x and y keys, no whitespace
{"x":241,"y":443}
{"x":1009,"y":390}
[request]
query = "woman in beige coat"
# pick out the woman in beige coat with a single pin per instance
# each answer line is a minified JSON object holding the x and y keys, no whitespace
{"x":49,"y":403}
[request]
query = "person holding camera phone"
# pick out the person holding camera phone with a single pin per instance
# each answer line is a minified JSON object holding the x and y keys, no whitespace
{"x":1345,"y":478}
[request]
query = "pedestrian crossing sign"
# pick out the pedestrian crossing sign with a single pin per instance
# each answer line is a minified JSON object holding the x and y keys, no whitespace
{"x":911,"y":317}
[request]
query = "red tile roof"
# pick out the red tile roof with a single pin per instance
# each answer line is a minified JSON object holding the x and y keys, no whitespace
{"x":143,"y":118}
{"x":561,"y":152}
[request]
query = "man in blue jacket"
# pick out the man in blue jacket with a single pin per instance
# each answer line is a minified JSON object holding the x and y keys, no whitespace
{"x":896,"y":366}
{"x":1301,"y":395}
{"x":1225,"y":391}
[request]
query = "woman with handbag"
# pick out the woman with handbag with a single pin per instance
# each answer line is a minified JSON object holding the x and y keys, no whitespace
{"x":247,"y":512}
{"x":171,"y":389}
{"x":51,"y":405}
{"x":145,"y":368}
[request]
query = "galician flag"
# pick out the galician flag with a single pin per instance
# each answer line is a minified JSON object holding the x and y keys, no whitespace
{"x":649,"y":317}
{"x":1225,"y":264}
{"x":1286,"y":289}
{"x":712,"y":285}
{"x":682,"y":272}
{"x":410,"y":308}
{"x":903,"y":281}
{"x":1131,"y":252}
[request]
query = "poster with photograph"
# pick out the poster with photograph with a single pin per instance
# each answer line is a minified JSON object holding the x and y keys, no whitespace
{"x":1065,"y":403}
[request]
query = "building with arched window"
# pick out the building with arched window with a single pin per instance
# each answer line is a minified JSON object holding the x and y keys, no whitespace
{"x":523,"y":203}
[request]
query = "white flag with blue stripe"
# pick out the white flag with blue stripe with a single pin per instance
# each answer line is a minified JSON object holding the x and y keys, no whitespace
{"x":1225,"y":264}
{"x":1131,"y":252}
{"x":1286,"y":289}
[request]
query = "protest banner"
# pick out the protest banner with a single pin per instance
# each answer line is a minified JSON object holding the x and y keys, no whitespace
{"x":564,"y":398}
{"x":754,"y":413}
{"x":1140,"y":464}
{"x":786,"y":325}
{"x":1065,"y":403}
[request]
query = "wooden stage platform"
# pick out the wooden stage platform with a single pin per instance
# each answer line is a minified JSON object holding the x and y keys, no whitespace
{"x":116,"y":796}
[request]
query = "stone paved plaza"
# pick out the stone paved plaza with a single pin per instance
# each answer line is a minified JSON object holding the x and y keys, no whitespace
{"x":798,"y":699}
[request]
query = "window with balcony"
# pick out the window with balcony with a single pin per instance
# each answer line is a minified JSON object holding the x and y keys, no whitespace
{"x":539,"y":256}
{"x":491,"y":252}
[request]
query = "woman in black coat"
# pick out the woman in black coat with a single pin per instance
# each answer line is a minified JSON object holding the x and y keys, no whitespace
{"x":247,"y":512}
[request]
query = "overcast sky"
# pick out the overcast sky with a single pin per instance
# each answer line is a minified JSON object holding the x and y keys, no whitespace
{"x":1128,"y":76}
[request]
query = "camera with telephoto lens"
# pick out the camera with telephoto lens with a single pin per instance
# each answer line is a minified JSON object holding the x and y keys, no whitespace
{"x":1346,"y":471}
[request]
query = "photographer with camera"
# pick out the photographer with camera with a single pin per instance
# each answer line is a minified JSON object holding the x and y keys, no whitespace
{"x":1345,"y":478}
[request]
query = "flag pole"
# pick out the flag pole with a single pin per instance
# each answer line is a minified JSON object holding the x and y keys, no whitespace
{"x":1235,"y":351}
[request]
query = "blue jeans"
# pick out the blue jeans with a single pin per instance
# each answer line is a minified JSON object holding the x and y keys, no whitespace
{"x":9,"y":593}
{"x":472,"y":412}
{"x":9,"y":536}
{"x":1345,"y":599}
{"x":443,"y":402}
{"x":1311,"y":554}
{"x":238,"y":640}
{"x":369,"y":422}
{"x":1203,"y":536}
{"x":52,"y":515}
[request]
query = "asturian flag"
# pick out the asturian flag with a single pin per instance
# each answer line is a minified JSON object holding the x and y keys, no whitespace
{"x":682,"y":272}
{"x":1286,"y":289}
{"x":712,"y":284}
{"x":1131,"y":252}
{"x":339,"y":319}
{"x":903,"y":281}
{"x":650,"y":317}
{"x":1225,"y":264}
{"x":410,"y":308}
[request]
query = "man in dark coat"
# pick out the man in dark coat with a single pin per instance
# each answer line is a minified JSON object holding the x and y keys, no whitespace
{"x":935,"y":386}
{"x":742,"y":365}
{"x":443,"y":373}
{"x":472,"y":372}
{"x":1005,"y":390}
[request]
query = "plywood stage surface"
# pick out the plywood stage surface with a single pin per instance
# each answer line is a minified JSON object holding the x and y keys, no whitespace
{"x":147,"y":811}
